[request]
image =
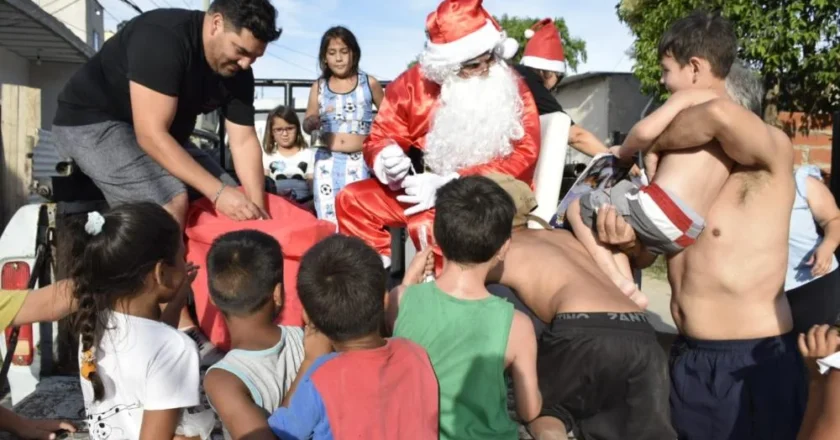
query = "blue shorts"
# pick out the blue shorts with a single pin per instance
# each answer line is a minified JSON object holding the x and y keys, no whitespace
{"x":737,"y":390}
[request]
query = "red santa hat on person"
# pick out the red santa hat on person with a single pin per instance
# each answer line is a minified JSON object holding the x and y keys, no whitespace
{"x":460,"y":30}
{"x":544,"y":50}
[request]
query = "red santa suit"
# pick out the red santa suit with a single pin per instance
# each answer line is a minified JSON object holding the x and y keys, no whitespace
{"x":460,"y":31}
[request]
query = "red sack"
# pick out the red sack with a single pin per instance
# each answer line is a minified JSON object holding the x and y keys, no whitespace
{"x":294,"y":228}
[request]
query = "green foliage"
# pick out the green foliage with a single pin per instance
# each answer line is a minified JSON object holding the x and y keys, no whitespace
{"x":794,"y":44}
{"x":574,"y":48}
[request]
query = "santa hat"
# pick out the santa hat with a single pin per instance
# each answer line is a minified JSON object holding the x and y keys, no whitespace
{"x":544,"y":50}
{"x":460,"y":30}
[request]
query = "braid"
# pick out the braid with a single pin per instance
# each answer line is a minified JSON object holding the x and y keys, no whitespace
{"x":87,"y":323}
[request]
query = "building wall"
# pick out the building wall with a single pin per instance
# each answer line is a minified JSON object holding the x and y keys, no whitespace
{"x":813,"y":147}
{"x":95,"y":25}
{"x":50,"y":78}
{"x":14,"y":69}
{"x":584,"y":101}
{"x":626,"y":103}
{"x":79,"y":16}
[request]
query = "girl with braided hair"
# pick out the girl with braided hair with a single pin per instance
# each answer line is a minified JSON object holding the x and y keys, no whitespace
{"x":138,"y":374}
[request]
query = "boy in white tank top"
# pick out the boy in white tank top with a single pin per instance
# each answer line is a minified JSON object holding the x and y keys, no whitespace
{"x":245,"y":269}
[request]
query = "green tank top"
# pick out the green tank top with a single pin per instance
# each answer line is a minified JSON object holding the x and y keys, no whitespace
{"x":466,"y":342}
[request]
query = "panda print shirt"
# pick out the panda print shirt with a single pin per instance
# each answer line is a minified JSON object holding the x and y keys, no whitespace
{"x":300,"y":165}
{"x":145,"y":365}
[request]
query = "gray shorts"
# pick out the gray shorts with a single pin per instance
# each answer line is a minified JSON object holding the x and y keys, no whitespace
{"x":109,"y":154}
{"x":662,"y":222}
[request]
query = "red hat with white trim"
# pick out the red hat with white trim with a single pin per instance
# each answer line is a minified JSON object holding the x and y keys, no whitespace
{"x":460,"y":30}
{"x":544,"y":50}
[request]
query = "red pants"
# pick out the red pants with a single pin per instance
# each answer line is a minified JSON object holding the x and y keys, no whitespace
{"x":366,"y":208}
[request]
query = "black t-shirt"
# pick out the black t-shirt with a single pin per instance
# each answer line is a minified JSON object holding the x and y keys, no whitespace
{"x":162,"y":50}
{"x":546,"y":103}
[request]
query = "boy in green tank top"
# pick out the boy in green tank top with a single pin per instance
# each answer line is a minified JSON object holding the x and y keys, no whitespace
{"x":471,"y":336}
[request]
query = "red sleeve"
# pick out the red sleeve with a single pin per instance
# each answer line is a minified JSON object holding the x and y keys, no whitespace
{"x":522,"y":162}
{"x":391,"y":123}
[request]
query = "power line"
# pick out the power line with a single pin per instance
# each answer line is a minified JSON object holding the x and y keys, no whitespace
{"x":288,"y":62}
{"x":283,"y":46}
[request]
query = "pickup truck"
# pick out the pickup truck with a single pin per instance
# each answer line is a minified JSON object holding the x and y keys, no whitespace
{"x":41,"y":364}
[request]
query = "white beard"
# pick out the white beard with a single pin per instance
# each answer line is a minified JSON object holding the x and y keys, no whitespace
{"x":476,"y":121}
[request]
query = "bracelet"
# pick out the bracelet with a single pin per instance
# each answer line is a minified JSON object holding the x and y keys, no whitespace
{"x":219,"y":193}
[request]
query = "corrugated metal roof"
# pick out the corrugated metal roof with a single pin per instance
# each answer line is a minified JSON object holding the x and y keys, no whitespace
{"x":45,"y":157}
{"x":32,"y":33}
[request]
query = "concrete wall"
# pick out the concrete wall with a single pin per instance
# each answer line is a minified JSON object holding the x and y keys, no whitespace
{"x":50,"y":78}
{"x":585,"y":101}
{"x":626,"y":103}
{"x":13,"y":68}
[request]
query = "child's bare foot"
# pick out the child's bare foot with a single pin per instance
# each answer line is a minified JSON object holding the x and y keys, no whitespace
{"x":640,"y":299}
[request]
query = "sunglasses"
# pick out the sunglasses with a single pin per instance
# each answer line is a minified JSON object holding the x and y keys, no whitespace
{"x":485,"y":59}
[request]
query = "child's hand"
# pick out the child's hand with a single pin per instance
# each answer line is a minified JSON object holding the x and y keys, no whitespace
{"x":651,"y":162}
{"x":315,"y":343}
{"x":821,"y":341}
{"x":423,"y":264}
{"x":41,"y":429}
{"x":191,"y":273}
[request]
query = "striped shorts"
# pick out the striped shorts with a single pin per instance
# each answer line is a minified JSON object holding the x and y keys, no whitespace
{"x":333,"y":171}
{"x":662,"y":222}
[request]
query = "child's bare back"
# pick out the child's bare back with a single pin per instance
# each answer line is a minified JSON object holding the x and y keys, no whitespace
{"x":553,"y":273}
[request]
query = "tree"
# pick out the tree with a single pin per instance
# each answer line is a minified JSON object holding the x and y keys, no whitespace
{"x":793,"y":44}
{"x":574,"y":48}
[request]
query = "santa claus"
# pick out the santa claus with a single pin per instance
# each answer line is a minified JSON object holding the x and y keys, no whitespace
{"x":462,"y":106}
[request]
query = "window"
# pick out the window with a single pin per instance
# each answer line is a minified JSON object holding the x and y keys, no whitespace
{"x":96,"y":41}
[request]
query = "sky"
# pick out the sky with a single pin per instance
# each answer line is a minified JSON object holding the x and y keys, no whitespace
{"x":391,"y":32}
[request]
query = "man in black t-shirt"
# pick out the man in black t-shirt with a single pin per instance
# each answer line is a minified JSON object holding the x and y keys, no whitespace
{"x":126,"y":116}
{"x":542,"y":67}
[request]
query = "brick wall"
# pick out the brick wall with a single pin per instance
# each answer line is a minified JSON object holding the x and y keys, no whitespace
{"x":811,"y":147}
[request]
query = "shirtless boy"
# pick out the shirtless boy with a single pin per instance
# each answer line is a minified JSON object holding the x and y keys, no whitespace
{"x":696,"y":55}
{"x":735,"y":369}
{"x":600,"y":369}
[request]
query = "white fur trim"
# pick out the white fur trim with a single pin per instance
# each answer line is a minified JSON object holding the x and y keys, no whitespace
{"x":529,"y":33}
{"x":507,"y":48}
{"x":464,"y":49}
{"x":544,"y":64}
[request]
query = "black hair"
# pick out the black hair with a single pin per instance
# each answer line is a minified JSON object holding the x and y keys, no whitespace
{"x":704,"y":35}
{"x":258,"y":16}
{"x":243,"y":269}
{"x":347,"y":37}
{"x":341,"y":284}
{"x":113,"y":263}
{"x":473,"y":218}
{"x":289,"y":115}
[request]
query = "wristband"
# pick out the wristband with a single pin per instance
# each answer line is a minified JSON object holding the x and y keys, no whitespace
{"x":219,"y":193}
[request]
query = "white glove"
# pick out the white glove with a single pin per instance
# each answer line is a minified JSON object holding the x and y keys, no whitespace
{"x":421,"y":189}
{"x":391,"y":166}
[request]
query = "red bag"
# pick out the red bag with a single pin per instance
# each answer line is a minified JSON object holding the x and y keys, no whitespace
{"x":294,"y":228}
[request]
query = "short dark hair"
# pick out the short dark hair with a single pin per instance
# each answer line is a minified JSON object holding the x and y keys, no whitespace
{"x":258,"y":16}
{"x":243,"y":269}
{"x":343,"y":34}
{"x":704,"y":35}
{"x":473,"y":218}
{"x":342,"y":284}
